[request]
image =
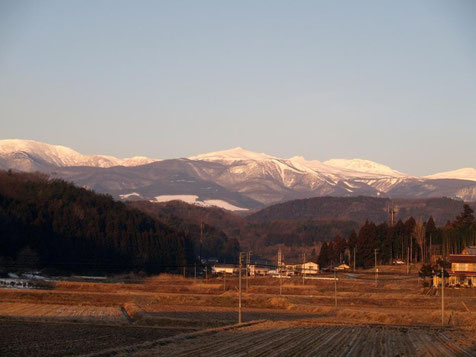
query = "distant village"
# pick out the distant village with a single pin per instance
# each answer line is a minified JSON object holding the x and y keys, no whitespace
{"x":460,"y":273}
{"x":280,"y":269}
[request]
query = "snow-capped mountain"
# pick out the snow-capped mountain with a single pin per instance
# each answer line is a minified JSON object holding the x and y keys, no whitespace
{"x":232,"y":179}
{"x":30,"y":155}
{"x":467,"y":173}
{"x":250,"y":173}
{"x":366,"y":166}
{"x":232,"y":155}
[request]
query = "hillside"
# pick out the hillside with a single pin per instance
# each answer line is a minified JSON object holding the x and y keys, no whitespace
{"x":49,"y":223}
{"x":260,"y":237}
{"x":360,"y":209}
{"x":218,"y":232}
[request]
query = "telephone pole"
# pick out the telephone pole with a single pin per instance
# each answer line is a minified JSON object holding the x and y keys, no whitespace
{"x":248,"y":262}
{"x":303,"y":269}
{"x":201,"y":240}
{"x":376,"y":270}
{"x":442,"y":296}
{"x":280,"y":262}
{"x":195,"y":273}
{"x":335,"y":290}
{"x":391,"y":212}
{"x":280,"y":284}
{"x":239,"y":287}
{"x":354,"y":259}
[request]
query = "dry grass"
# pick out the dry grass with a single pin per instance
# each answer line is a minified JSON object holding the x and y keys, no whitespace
{"x":174,"y":305}
{"x":398,"y":298}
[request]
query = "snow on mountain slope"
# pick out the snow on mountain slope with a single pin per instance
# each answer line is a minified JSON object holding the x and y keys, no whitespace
{"x":18,"y":150}
{"x":237,"y":176}
{"x":194,"y":199}
{"x":246,"y":170}
{"x":468,"y":173}
{"x":300,"y":174}
{"x":235,"y":154}
{"x":364,"y":166}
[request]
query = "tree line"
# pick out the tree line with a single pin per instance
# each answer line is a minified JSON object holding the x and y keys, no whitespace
{"x":209,"y":241}
{"x":412,"y":241}
{"x":49,"y":223}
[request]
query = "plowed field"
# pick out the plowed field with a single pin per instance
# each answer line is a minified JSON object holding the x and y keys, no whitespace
{"x":288,"y":339}
{"x":76,"y":312}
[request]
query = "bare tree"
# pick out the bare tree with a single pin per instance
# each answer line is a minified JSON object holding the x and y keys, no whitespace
{"x":419,"y":234}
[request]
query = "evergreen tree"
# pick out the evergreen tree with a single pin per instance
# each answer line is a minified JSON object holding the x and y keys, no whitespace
{"x":323,"y":259}
{"x":366,"y":242}
{"x":465,"y":220}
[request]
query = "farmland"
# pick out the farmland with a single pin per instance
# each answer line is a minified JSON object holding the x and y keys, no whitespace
{"x":168,"y":314}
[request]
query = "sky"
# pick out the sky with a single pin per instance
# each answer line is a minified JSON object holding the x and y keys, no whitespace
{"x":388,"y":81}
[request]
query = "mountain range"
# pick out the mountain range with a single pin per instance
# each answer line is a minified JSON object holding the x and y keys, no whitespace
{"x":235,"y":179}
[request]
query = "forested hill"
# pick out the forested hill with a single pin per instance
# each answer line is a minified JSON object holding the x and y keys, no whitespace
{"x":360,"y":209}
{"x":215,"y":232}
{"x":49,"y":223}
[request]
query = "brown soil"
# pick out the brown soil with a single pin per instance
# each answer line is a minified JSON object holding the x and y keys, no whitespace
{"x":167,"y":305}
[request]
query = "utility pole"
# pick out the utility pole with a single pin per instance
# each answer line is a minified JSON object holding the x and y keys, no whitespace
{"x":442,"y":296}
{"x":391,"y":211}
{"x":354,"y":259}
{"x":303,"y":269}
{"x":184,"y":271}
{"x":239,"y":287}
{"x":280,"y":284}
{"x":248,"y":261}
{"x":280,"y":262}
{"x":224,"y":281}
{"x":376,"y":270}
{"x":201,"y":240}
{"x":335,"y":290}
{"x":408,"y":260}
{"x":195,"y":273}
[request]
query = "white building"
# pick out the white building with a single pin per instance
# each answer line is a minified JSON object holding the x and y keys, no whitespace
{"x":228,"y":269}
{"x":310,"y":268}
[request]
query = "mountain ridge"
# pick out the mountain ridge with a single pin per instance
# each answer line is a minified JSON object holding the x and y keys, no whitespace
{"x":58,"y":155}
{"x":236,"y":178}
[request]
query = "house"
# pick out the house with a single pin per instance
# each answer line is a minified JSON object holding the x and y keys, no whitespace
{"x":222,"y":269}
{"x":342,"y":267}
{"x":310,"y":268}
{"x":463,"y":268}
{"x":293,"y":269}
{"x":256,"y":270}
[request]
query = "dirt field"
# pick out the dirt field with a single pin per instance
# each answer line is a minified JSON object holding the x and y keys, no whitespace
{"x":310,"y":339}
{"x":78,"y":318}
{"x":35,"y":338}
{"x":66,"y":312}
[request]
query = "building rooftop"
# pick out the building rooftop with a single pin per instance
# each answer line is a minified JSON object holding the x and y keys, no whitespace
{"x":462,"y":258}
{"x":470,"y":250}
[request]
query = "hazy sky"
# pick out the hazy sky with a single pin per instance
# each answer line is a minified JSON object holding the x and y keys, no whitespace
{"x":389,"y":81}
